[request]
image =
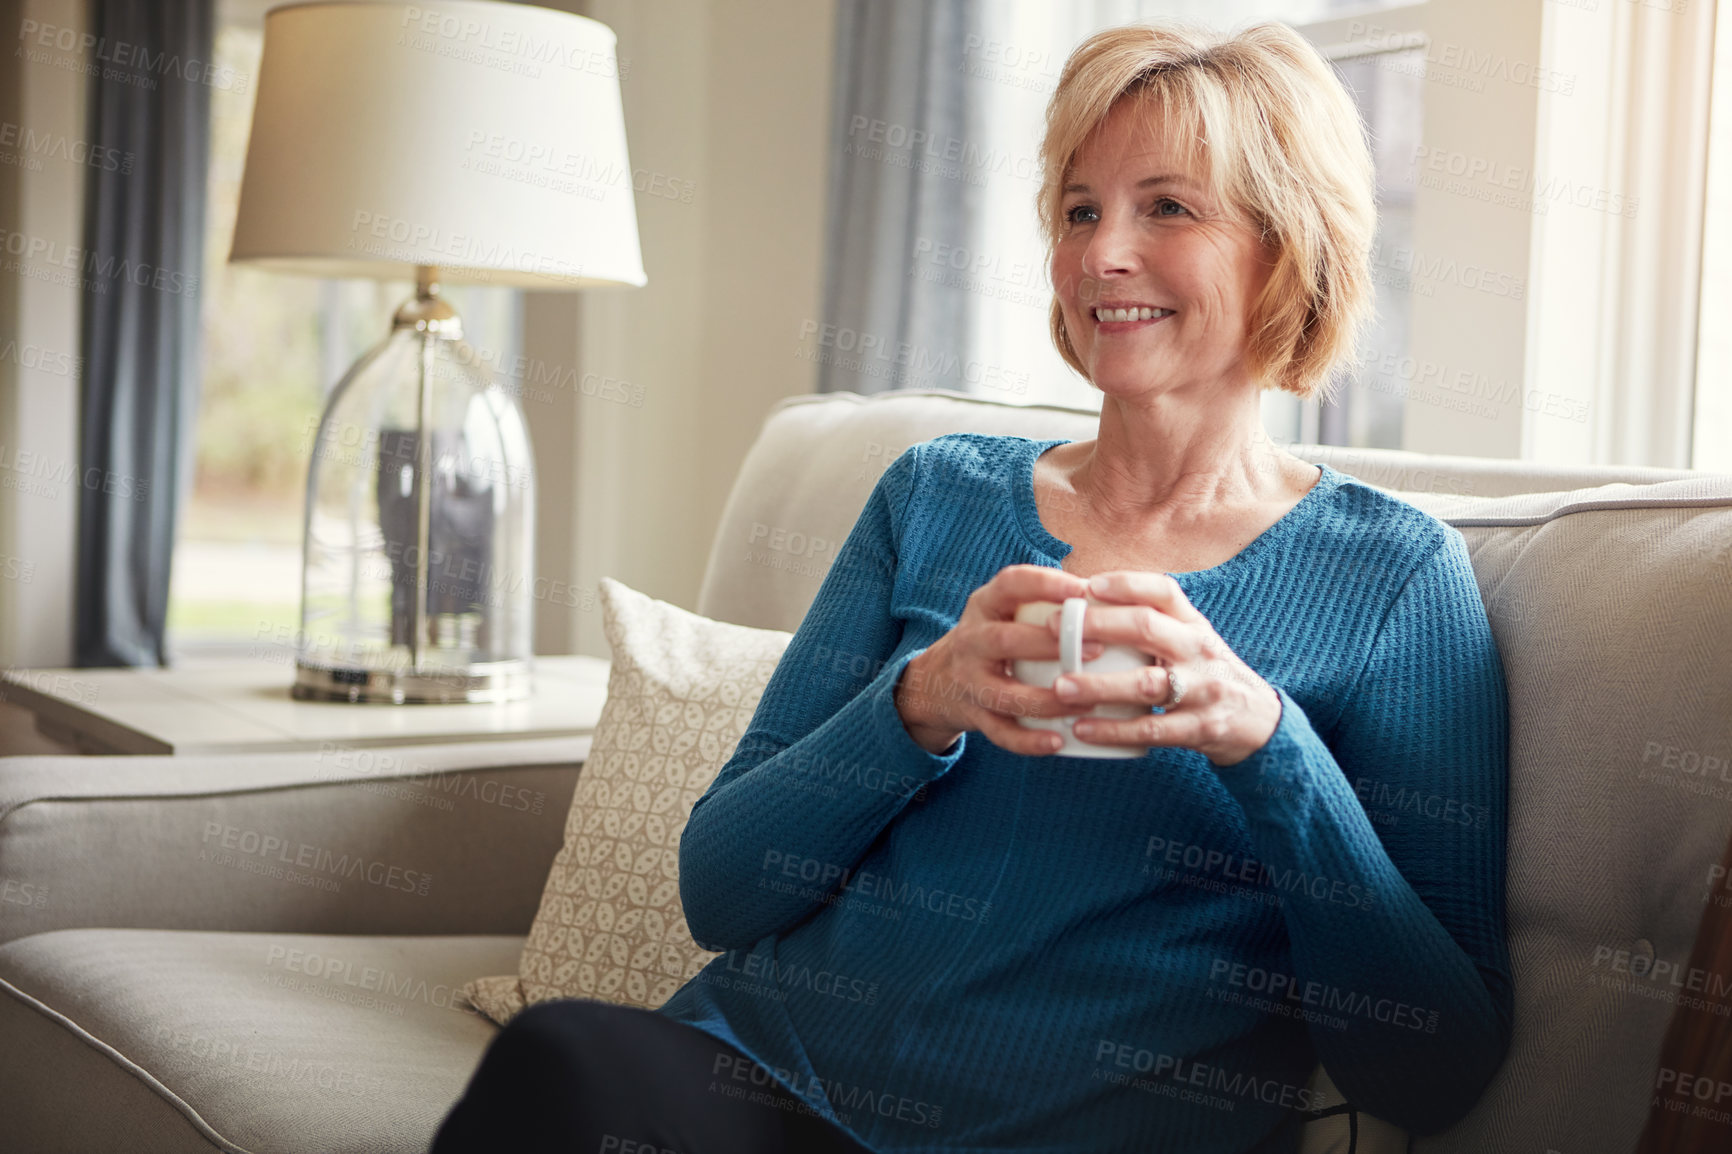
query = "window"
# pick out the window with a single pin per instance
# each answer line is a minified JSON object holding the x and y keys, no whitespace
{"x":274,"y":347}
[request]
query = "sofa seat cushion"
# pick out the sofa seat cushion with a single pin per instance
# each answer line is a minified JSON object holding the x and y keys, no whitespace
{"x":230,"y":1041}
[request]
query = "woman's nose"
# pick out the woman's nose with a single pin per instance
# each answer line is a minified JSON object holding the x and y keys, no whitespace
{"x":1111,"y":250}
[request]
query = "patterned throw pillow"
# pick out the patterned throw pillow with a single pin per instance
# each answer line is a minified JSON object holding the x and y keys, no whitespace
{"x":680,"y":694}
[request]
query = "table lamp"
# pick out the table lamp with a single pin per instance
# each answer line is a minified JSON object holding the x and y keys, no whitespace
{"x":472,"y":142}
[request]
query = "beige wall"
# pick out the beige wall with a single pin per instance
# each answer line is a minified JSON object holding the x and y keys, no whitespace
{"x":727,"y":113}
{"x":39,"y":325}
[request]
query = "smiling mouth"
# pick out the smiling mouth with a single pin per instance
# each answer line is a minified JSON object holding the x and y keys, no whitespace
{"x":1108,"y":316}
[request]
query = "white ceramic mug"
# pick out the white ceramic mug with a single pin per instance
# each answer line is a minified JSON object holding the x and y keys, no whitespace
{"x":1112,"y":659}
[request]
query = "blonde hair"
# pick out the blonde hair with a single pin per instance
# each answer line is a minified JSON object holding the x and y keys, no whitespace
{"x":1281,"y":140}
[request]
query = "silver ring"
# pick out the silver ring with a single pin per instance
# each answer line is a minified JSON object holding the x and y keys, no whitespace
{"x":1175,"y":688}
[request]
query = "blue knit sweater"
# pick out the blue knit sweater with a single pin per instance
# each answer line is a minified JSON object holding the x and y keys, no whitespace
{"x":977,"y":950}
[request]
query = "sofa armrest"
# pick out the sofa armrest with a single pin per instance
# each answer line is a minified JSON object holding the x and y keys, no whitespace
{"x":445,"y":839}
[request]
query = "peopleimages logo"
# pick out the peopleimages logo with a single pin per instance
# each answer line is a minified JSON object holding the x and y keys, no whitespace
{"x":267,"y":854}
{"x":1400,"y":799}
{"x":842,"y":1097}
{"x":368,"y":979}
{"x":122,"y":57}
{"x":753,"y":972}
{"x":17,"y":893}
{"x":924,"y":151}
{"x":380,"y":234}
{"x":1116,"y":1056}
{"x":59,"y":146}
{"x":1183,"y":856}
{"x":858,"y":352}
{"x":864,"y":883}
{"x":65,"y":264}
{"x":1286,"y":988}
{"x":520,"y":44}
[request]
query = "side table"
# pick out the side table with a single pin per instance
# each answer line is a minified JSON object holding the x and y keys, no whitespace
{"x":242,"y":705}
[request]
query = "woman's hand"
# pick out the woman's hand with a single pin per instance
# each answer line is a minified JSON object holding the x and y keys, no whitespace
{"x":1227,"y":712}
{"x":963,"y":680}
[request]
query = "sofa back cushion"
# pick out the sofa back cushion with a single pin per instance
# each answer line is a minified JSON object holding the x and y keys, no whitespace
{"x":1612,"y":609}
{"x":808,"y":475}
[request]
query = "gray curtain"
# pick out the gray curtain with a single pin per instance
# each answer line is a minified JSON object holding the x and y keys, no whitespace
{"x":905,"y":178}
{"x":143,"y":247}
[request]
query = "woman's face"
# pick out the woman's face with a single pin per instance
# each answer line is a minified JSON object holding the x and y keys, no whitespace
{"x":1141,"y":230}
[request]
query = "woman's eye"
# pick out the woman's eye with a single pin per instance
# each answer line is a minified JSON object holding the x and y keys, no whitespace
{"x":1165,"y":207}
{"x":1082,"y":214}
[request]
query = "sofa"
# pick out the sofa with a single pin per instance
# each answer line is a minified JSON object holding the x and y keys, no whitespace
{"x":263,"y":953}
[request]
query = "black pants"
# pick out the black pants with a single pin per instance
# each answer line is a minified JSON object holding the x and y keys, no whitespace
{"x":582,"y":1077}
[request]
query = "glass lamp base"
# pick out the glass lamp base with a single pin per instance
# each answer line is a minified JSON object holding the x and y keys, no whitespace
{"x":495,"y":681}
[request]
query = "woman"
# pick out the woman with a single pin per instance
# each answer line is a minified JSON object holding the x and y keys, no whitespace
{"x":1012,"y":950}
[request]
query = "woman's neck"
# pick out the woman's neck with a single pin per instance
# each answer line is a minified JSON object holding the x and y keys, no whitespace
{"x":1173,"y":454}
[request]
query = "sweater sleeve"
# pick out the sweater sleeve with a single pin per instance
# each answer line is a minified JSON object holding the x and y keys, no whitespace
{"x":826,"y":763}
{"x":1417,"y":951}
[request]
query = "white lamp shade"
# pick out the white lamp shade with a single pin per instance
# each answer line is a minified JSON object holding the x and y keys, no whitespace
{"x":487,"y":139}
